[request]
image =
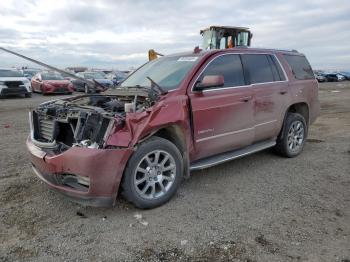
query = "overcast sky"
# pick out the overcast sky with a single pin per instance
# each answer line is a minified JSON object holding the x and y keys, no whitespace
{"x":119,"y":33}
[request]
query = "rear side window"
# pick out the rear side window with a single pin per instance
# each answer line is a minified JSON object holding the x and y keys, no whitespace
{"x":300,"y":67}
{"x":277,"y":71}
{"x":257,"y":68}
{"x":229,"y":66}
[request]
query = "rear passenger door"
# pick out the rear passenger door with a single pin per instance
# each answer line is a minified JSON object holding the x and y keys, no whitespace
{"x":222,"y":116}
{"x":270,"y":93}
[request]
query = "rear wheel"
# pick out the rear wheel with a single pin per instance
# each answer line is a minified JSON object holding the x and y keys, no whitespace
{"x":290,"y":142}
{"x":153,"y":173}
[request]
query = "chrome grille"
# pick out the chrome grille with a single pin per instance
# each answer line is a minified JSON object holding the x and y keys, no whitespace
{"x":46,"y":129}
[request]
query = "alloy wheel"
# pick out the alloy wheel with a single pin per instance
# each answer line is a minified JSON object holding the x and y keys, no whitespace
{"x":295,"y":136}
{"x":155,"y":174}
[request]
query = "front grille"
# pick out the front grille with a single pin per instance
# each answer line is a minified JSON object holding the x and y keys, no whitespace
{"x":14,"y":91}
{"x":47,"y":128}
{"x":13,"y":84}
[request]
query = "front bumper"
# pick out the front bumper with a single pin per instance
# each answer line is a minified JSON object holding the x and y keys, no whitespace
{"x":103,"y":167}
{"x":57,"y":90}
{"x":21,"y":90}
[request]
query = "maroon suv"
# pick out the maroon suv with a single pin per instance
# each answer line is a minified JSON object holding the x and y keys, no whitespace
{"x":176,"y":114}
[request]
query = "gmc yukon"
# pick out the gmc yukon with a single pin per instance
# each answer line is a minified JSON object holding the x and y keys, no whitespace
{"x":175,"y":114}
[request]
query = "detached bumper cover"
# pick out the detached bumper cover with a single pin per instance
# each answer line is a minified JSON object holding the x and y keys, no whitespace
{"x":104,"y":167}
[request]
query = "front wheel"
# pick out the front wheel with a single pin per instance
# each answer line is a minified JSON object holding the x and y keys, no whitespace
{"x":291,"y":141}
{"x":153,"y":173}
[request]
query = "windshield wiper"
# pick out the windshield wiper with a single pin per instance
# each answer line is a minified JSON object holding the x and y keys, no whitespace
{"x":156,"y":86}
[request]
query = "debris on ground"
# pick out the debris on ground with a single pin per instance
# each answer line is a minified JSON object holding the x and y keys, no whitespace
{"x":80,"y":214}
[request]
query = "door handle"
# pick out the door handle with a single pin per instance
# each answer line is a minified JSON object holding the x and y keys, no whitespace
{"x":283,"y":91}
{"x":245,"y":99}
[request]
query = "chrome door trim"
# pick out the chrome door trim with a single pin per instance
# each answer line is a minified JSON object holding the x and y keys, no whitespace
{"x":235,"y":132}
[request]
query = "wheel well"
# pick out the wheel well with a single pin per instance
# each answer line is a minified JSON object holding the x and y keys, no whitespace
{"x":175,"y":135}
{"x":300,"y":108}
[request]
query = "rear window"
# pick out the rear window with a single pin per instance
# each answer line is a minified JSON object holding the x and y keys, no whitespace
{"x":300,"y":67}
{"x":258,"y":68}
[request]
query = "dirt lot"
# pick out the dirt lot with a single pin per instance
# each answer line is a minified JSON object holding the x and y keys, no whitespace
{"x":258,"y":208}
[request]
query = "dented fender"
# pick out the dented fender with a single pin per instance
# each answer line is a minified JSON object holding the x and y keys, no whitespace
{"x":171,"y":111}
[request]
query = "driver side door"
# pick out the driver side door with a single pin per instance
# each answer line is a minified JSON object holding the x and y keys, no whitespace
{"x":222,"y":116}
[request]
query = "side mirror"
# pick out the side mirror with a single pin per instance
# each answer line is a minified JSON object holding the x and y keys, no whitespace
{"x":209,"y":81}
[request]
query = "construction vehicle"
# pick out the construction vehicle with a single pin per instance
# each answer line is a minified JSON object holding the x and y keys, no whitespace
{"x":222,"y":37}
{"x":219,"y":37}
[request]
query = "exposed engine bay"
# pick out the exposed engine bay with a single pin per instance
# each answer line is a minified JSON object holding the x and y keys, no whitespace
{"x":84,"y":121}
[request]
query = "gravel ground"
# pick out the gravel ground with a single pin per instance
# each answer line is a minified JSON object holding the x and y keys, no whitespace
{"x":258,"y":208}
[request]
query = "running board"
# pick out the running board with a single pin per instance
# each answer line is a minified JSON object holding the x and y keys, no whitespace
{"x":227,"y":156}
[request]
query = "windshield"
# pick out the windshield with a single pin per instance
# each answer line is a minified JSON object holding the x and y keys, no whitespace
{"x":209,"y":40}
{"x":51,"y":77}
{"x":94,"y":75}
{"x":10,"y":73}
{"x":168,"y":72}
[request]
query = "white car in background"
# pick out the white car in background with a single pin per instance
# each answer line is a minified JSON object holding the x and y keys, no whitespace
{"x":13,"y":82}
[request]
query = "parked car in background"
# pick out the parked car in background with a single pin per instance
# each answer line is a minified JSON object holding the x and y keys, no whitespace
{"x":334,"y":77}
{"x":346,"y":75}
{"x":76,"y":69}
{"x":13,"y":82}
{"x":174,"y":114}
{"x":320,"y":77}
{"x":99,"y":77}
{"x":30,"y":72}
{"x":117,"y":77}
{"x":51,"y":83}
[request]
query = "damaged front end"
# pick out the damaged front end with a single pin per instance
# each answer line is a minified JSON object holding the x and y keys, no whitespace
{"x":84,"y":121}
{"x":68,"y":143}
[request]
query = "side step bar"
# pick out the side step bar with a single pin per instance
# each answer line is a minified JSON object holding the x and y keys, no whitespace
{"x":227,"y":156}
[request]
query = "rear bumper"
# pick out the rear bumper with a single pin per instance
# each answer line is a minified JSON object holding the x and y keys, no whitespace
{"x":103,"y":167}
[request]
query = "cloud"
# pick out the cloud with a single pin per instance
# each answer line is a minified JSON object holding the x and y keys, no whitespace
{"x":118,"y":33}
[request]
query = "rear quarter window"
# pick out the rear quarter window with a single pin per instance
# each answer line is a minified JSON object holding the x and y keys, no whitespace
{"x":300,"y":67}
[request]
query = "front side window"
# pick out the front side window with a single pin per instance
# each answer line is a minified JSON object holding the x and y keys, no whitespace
{"x":300,"y":67}
{"x":258,"y":68}
{"x":229,"y":66}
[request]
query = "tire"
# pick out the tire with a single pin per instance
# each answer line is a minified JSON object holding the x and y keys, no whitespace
{"x":28,"y":95}
{"x":142,"y":175}
{"x":291,"y":140}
